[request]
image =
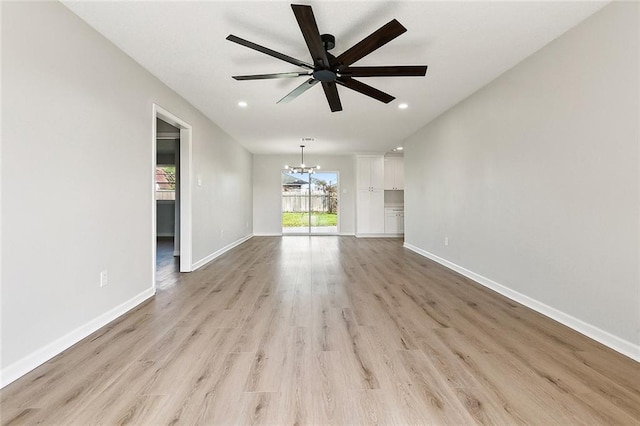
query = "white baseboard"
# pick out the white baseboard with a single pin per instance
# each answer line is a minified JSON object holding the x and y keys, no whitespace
{"x":164,"y":234}
{"x":44,"y":354}
{"x":383,"y":235}
{"x":220,"y":252}
{"x":342,"y":234}
{"x":612,"y":341}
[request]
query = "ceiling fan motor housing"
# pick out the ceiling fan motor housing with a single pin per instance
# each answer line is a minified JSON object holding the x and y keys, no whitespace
{"x":325,"y":75}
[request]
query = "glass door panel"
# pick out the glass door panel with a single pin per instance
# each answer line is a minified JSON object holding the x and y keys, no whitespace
{"x":324,"y":203}
{"x":295,"y":203}
{"x":309,"y":203}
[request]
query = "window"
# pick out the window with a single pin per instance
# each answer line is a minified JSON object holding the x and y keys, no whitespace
{"x":165,"y":182}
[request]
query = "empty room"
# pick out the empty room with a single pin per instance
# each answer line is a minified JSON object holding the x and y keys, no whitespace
{"x":344,"y":212}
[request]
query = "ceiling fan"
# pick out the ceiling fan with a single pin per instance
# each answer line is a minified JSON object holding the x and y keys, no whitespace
{"x":332,"y":70}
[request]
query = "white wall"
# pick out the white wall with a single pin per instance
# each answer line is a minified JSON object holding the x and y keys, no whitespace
{"x":535,"y":180}
{"x":267,"y":189}
{"x":77,"y":181}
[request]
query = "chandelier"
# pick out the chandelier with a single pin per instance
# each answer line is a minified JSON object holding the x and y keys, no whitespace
{"x":302,"y":168}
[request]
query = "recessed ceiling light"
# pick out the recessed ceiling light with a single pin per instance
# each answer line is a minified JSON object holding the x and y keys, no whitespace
{"x":403,"y":106}
{"x":399,"y":148}
{"x":242,"y":104}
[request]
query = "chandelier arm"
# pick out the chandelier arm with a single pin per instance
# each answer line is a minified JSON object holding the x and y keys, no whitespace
{"x":302,"y":168}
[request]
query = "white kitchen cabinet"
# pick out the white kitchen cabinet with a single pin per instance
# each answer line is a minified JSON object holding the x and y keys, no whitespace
{"x":394,"y":220}
{"x":370,"y":197}
{"x":393,"y":173}
{"x":370,"y":211}
{"x":370,"y":172}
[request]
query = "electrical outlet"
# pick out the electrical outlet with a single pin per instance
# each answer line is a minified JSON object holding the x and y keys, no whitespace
{"x":446,"y":241}
{"x":104,"y":278}
{"x":222,"y":233}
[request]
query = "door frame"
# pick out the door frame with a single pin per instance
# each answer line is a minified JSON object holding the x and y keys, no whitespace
{"x":185,"y":179}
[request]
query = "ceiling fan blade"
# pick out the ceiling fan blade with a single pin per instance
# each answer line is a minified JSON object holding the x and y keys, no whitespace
{"x":390,"y":71}
{"x":331,"y":92}
{"x":307,"y":22}
{"x":270,"y":76}
{"x":298,"y":91}
{"x":269,"y":52}
{"x":375,"y":40}
{"x":365,"y":89}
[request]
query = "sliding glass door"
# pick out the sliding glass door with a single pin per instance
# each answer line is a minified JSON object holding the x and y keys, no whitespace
{"x":309,"y":203}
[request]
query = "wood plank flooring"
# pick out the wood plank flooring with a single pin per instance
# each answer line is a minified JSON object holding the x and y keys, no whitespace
{"x":328,"y":330}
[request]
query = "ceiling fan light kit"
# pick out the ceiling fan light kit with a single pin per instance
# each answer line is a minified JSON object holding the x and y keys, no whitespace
{"x":330,"y":70}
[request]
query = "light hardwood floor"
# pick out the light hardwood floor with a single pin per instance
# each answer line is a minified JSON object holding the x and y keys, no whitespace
{"x":328,"y":330}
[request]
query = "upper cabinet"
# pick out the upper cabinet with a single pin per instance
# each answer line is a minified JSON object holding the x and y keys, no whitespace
{"x":370,"y":172}
{"x":393,"y":173}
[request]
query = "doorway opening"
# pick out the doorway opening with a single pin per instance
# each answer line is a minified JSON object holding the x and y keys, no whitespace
{"x":310,"y":203}
{"x":171,"y":207}
{"x":167,"y":200}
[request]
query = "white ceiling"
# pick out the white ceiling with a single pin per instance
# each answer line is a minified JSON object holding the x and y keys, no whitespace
{"x":465,"y":45}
